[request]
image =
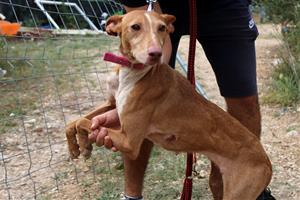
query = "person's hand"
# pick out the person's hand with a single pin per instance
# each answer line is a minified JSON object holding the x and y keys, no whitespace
{"x":99,"y":135}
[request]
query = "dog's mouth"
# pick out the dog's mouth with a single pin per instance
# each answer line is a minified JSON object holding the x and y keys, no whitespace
{"x":146,"y":58}
{"x":149,"y":61}
{"x":153,"y":61}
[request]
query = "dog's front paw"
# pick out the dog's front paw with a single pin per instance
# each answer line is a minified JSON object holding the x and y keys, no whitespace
{"x":83,"y":127}
{"x":72,"y":140}
{"x":77,"y":135}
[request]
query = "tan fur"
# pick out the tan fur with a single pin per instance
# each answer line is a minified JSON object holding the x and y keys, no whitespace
{"x":164,"y":108}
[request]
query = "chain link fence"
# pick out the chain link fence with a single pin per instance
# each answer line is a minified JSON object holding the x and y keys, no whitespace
{"x":51,"y":72}
{"x":49,"y":76}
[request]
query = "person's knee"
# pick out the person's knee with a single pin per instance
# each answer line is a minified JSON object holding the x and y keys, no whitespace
{"x":247,"y":111}
{"x":243,"y":105}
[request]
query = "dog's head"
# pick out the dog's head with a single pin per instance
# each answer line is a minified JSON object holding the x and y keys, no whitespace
{"x":142,"y":34}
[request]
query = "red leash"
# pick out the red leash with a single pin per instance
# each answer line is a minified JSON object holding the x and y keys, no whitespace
{"x":188,"y":182}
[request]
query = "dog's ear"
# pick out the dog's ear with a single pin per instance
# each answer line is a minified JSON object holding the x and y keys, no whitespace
{"x":113,"y":25}
{"x":169,"y":20}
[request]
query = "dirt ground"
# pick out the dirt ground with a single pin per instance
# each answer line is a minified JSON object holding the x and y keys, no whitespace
{"x":280,"y":126}
{"x":48,"y":173}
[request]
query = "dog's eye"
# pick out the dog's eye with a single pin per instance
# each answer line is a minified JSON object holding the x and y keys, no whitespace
{"x":162,"y":28}
{"x":136,"y":27}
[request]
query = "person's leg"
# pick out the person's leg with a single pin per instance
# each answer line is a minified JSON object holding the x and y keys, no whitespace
{"x":247,"y":111}
{"x":134,"y":171}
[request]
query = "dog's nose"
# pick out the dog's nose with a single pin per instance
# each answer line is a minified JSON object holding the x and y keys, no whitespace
{"x":155,"y":52}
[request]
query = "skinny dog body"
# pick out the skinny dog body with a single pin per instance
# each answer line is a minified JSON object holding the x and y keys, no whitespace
{"x":159,"y":104}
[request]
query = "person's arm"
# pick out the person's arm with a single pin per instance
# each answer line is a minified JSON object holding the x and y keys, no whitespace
{"x":99,"y":135}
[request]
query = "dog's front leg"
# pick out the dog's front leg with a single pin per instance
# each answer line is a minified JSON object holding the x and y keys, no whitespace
{"x":83,"y":127}
{"x":73,"y":146}
{"x":78,"y":130}
{"x":124,"y":143}
{"x":108,"y":105}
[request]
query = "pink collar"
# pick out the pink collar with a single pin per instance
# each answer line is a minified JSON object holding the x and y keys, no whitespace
{"x":122,"y":61}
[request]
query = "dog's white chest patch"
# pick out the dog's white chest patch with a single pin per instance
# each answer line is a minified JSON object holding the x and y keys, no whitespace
{"x":127,"y":80}
{"x":123,"y":92}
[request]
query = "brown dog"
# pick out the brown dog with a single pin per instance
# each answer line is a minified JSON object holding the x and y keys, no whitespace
{"x":157,"y":103}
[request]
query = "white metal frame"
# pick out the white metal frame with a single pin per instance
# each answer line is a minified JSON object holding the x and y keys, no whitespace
{"x":40,"y":3}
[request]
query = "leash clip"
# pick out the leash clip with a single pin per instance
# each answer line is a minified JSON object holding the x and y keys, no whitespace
{"x":150,"y":6}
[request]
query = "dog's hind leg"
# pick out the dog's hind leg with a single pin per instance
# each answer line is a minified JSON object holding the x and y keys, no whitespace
{"x":216,"y":182}
{"x":245,"y":181}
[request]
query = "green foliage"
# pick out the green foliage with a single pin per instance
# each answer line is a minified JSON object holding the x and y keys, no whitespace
{"x":293,"y":39}
{"x":286,"y":84}
{"x":120,"y":12}
{"x":109,"y":191}
{"x":164,"y":176}
{"x":2,"y":42}
{"x":282,"y":10}
{"x":29,"y":23}
{"x":71,"y":18}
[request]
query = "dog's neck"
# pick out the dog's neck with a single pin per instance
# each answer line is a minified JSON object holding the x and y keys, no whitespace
{"x":128,"y":78}
{"x":129,"y":75}
{"x":130,"y":72}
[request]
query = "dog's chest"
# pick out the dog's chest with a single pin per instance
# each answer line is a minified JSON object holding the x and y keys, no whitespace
{"x":127,"y":81}
{"x":122,"y":95}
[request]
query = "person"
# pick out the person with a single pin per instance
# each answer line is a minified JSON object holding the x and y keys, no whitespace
{"x":227,"y":34}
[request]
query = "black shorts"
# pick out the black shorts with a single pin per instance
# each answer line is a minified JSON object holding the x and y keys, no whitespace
{"x":227,"y":34}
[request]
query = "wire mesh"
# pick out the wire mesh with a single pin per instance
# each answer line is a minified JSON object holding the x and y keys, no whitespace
{"x":47,"y":79}
{"x":51,"y":73}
